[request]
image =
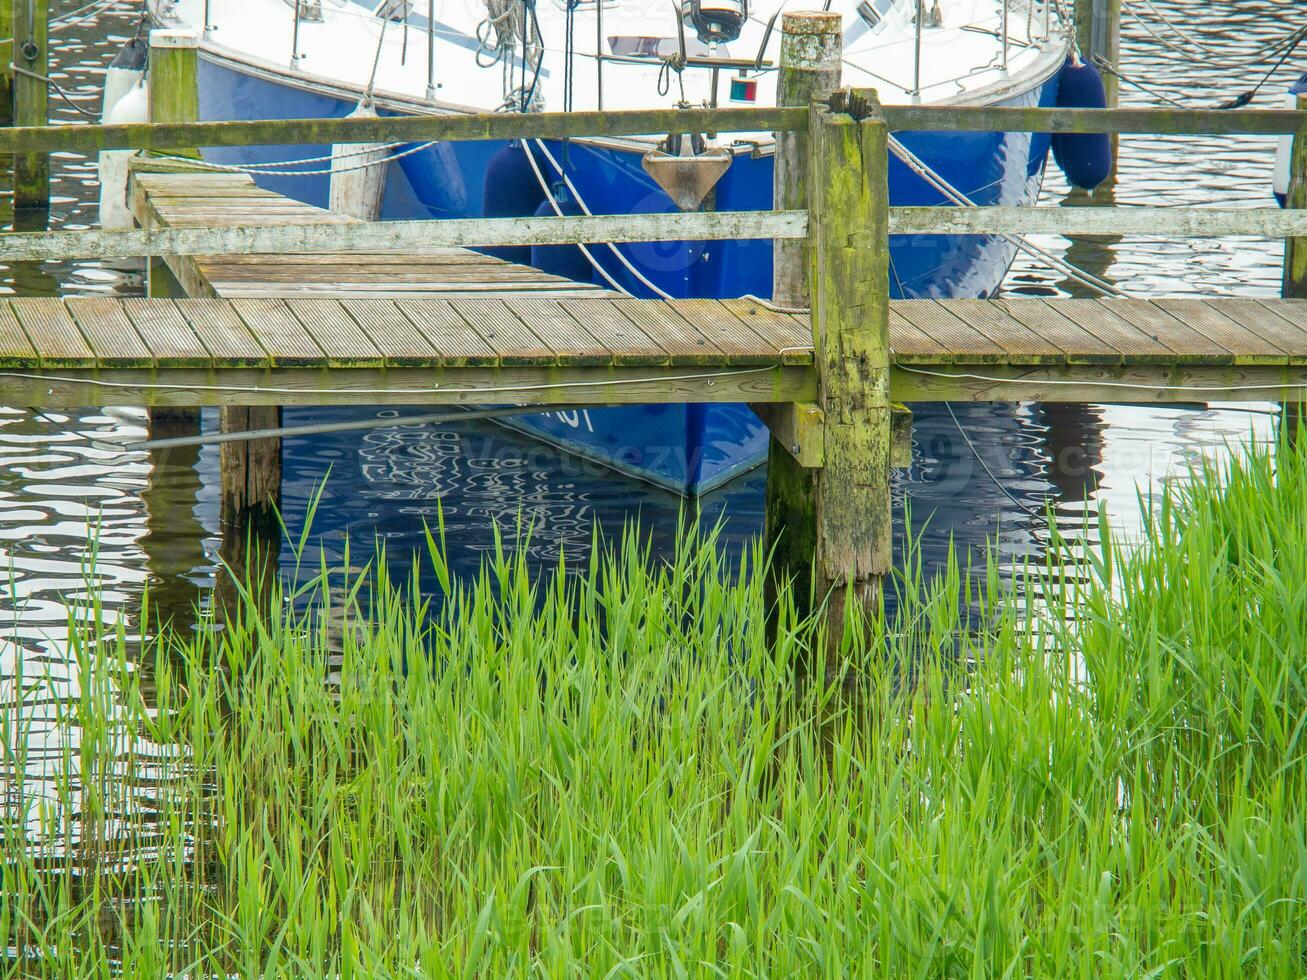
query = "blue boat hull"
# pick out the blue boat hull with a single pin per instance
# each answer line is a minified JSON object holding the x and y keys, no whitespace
{"x":686,"y":448}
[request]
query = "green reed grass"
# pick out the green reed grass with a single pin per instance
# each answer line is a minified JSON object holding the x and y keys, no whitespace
{"x":617,"y":773}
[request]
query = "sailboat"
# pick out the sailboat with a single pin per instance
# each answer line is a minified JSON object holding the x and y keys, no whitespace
{"x":272,"y":59}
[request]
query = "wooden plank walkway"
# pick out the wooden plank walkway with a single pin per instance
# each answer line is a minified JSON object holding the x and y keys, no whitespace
{"x":603,"y":350}
{"x":230,"y":200}
{"x":456,"y":326}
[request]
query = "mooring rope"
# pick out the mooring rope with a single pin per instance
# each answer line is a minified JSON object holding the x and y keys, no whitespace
{"x":1212,"y":59}
{"x":58,"y":89}
{"x":919,"y":167}
{"x":254,"y":171}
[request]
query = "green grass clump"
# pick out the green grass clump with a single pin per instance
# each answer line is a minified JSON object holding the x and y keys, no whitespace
{"x":618,"y":774}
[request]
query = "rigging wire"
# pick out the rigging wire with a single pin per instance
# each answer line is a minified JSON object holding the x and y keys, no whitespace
{"x":1107,"y":66}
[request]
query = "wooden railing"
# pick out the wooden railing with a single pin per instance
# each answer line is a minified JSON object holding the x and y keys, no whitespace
{"x":640,"y":122}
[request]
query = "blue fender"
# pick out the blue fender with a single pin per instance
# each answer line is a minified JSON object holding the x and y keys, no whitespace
{"x":1085,"y":158}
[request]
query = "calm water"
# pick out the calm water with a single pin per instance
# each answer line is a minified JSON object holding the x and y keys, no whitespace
{"x":66,"y":480}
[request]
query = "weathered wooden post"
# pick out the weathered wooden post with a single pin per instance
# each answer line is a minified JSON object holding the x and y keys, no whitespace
{"x":31,"y":100}
{"x":1098,"y":35}
{"x":849,"y":279}
{"x":6,"y":59}
{"x":174,"y":92}
{"x":811,"y":50}
{"x":1294,"y":285}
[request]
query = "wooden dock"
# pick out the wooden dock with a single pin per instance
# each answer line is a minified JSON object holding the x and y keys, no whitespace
{"x":452,"y":325}
{"x":340,"y":312}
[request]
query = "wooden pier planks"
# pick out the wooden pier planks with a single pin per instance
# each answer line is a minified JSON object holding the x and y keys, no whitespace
{"x":603,"y":331}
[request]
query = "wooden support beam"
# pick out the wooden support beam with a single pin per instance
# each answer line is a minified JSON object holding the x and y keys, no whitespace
{"x":174,"y":538}
{"x":850,"y":314}
{"x":811,"y":49}
{"x":31,"y":100}
{"x":900,"y":419}
{"x":810,"y":63}
{"x":1098,"y":34}
{"x":1295,"y":247}
{"x":250,"y":499}
{"x":1153,"y":221}
{"x":798,"y":428}
{"x":791,"y":226}
{"x":174,"y":76}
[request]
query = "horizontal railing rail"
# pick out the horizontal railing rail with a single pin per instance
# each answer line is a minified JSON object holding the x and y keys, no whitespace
{"x":1117,"y":220}
{"x":402,"y":235}
{"x":674,"y":226}
{"x":641,"y":122}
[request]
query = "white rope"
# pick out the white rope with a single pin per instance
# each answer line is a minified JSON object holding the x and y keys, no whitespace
{"x":915,"y":164}
{"x":1132,"y":385}
{"x":549,"y":196}
{"x":277,"y":164}
{"x":252,"y":169}
{"x":567,"y":181}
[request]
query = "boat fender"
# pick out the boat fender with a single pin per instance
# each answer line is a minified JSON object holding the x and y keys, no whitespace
{"x":358,"y":173}
{"x":123,"y":74}
{"x":1284,"y":149}
{"x":1085,"y":158}
{"x":511,"y":191}
{"x":131,"y":105}
{"x":567,"y":261}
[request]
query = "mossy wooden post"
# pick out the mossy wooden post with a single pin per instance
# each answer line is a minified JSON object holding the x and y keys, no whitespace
{"x":811,"y":49}
{"x":6,"y":58}
{"x":1294,"y":285}
{"x":250,"y":499}
{"x":849,"y":276}
{"x":31,"y":100}
{"x":174,"y":92}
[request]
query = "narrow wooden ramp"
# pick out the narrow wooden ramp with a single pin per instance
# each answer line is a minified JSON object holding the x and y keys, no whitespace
{"x":231,"y":200}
